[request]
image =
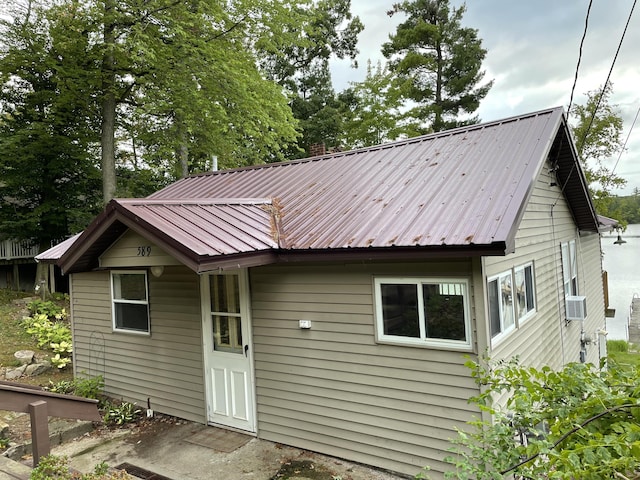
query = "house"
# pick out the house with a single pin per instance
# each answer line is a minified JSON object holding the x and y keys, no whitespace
{"x":330,"y":303}
{"x":17,"y":266}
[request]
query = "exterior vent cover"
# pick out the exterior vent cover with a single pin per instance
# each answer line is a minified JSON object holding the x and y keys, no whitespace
{"x":576,"y":307}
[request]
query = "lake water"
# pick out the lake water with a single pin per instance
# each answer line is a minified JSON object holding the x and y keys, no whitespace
{"x":623,"y":264}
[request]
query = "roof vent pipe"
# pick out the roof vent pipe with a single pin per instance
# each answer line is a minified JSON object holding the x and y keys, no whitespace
{"x":214,"y":163}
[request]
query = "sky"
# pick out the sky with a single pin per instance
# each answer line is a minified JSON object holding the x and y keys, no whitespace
{"x":532,"y":51}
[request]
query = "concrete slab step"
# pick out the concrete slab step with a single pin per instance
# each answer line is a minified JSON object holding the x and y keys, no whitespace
{"x":12,"y":470}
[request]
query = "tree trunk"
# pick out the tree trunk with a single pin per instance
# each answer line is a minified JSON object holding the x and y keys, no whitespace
{"x":183,"y":157}
{"x":107,"y":134}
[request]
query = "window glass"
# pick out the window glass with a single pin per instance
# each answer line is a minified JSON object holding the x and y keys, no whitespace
{"x":225,"y":313}
{"x":494,"y":307}
{"x":400,"y":310}
{"x":444,"y":311}
{"x":129,"y":301}
{"x":506,"y":294}
{"x":225,"y":294}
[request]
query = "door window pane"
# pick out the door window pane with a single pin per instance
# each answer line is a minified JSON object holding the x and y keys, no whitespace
{"x":225,"y":294}
{"x":227,"y":334}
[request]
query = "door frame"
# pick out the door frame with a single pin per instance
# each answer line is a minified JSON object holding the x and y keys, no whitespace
{"x":247,"y":337}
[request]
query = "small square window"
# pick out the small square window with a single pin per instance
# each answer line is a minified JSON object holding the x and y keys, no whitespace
{"x":130,"y":302}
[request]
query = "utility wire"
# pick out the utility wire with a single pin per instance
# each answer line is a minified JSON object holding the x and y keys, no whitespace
{"x":624,"y":146}
{"x":575,"y":78}
{"x":595,"y":110}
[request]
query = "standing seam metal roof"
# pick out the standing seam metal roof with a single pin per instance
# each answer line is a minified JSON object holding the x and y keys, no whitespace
{"x":464,"y":188}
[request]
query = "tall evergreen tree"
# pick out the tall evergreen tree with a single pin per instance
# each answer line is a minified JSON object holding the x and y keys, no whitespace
{"x":437,"y":63}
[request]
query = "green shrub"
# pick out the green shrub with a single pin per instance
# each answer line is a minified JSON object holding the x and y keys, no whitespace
{"x":121,"y":413}
{"x":80,"y":387}
{"x":52,"y":310}
{"x":52,"y":335}
{"x":52,"y":467}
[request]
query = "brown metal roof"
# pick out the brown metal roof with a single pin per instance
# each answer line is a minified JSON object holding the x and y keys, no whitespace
{"x":463,"y":191}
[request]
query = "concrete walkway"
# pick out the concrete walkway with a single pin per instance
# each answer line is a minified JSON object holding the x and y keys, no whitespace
{"x":163,"y":448}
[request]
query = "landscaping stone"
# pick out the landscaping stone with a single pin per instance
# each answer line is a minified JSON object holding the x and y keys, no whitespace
{"x":25,"y":357}
{"x":15,"y":373}
{"x":37,"y":369}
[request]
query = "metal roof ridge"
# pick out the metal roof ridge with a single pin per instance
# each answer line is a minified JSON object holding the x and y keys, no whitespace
{"x":384,"y":146}
{"x":194,"y":201}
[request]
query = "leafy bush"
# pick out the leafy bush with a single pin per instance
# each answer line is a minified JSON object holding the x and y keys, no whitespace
{"x":52,"y":467}
{"x":579,"y":422}
{"x":121,"y":413}
{"x":81,"y":387}
{"x":52,"y":335}
{"x":51,"y":309}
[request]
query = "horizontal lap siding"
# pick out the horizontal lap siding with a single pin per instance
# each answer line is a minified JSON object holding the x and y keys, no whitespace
{"x":165,"y":367}
{"x":332,"y":389}
{"x":545,"y":339}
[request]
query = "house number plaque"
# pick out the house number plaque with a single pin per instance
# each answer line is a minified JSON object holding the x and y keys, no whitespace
{"x":144,"y":251}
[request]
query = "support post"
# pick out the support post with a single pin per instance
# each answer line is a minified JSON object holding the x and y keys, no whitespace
{"x":40,"y":444}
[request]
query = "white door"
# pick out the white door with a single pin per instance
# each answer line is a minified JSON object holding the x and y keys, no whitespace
{"x":228,"y":352}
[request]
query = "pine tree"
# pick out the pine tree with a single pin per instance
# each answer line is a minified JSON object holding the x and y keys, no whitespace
{"x":437,"y":63}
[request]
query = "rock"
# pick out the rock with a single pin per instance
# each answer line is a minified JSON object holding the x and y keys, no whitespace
{"x":4,"y":430}
{"x":37,"y":369}
{"x":25,"y":357}
{"x":15,"y":373}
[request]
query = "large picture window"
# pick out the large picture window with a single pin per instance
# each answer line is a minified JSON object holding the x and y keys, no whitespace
{"x":510,"y":298}
{"x":130,"y":302}
{"x":423,"y":311}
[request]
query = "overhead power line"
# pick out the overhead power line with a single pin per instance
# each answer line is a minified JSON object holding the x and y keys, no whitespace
{"x":575,"y":78}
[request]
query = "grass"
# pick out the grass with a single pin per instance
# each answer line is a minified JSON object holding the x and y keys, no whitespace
{"x":623,"y":353}
{"x":14,"y":338}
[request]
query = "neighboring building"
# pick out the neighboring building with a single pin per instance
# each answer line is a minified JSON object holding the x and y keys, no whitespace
{"x":330,"y":303}
{"x":17,"y":265}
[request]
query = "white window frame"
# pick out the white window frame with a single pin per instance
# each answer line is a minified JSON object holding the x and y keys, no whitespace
{"x":569,"y":256}
{"x":115,"y":301}
{"x":504,"y":327}
{"x":528,"y":313}
{"x":423,"y":340}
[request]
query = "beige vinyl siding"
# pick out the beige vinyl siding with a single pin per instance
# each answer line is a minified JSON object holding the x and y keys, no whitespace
{"x":332,"y":389}
{"x":166,"y":366}
{"x":545,"y":338}
{"x":133,"y":250}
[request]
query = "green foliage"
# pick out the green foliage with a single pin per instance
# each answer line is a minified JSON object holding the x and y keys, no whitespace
{"x":53,"y":467}
{"x":625,"y":209}
{"x":580,"y":422}
{"x":617,"y":346}
{"x":121,"y":413}
{"x":52,"y":335}
{"x":598,"y":135}
{"x":52,"y":309}
{"x":437,"y":64}
{"x":4,"y":443}
{"x":91,"y":387}
{"x":372,"y":110}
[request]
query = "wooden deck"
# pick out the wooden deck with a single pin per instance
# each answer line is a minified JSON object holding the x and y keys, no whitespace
{"x":14,"y":249}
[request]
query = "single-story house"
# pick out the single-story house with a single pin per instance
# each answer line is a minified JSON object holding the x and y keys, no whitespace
{"x":330,"y":303}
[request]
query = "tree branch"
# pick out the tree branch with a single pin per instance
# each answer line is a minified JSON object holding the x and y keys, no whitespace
{"x":569,"y":433}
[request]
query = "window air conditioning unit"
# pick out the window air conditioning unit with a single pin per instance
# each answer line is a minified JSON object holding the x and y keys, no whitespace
{"x":576,"y":307}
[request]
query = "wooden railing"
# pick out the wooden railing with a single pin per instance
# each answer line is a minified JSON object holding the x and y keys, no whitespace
{"x":10,"y":249}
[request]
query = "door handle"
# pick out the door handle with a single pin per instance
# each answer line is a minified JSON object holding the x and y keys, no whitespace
{"x":246,"y":349}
